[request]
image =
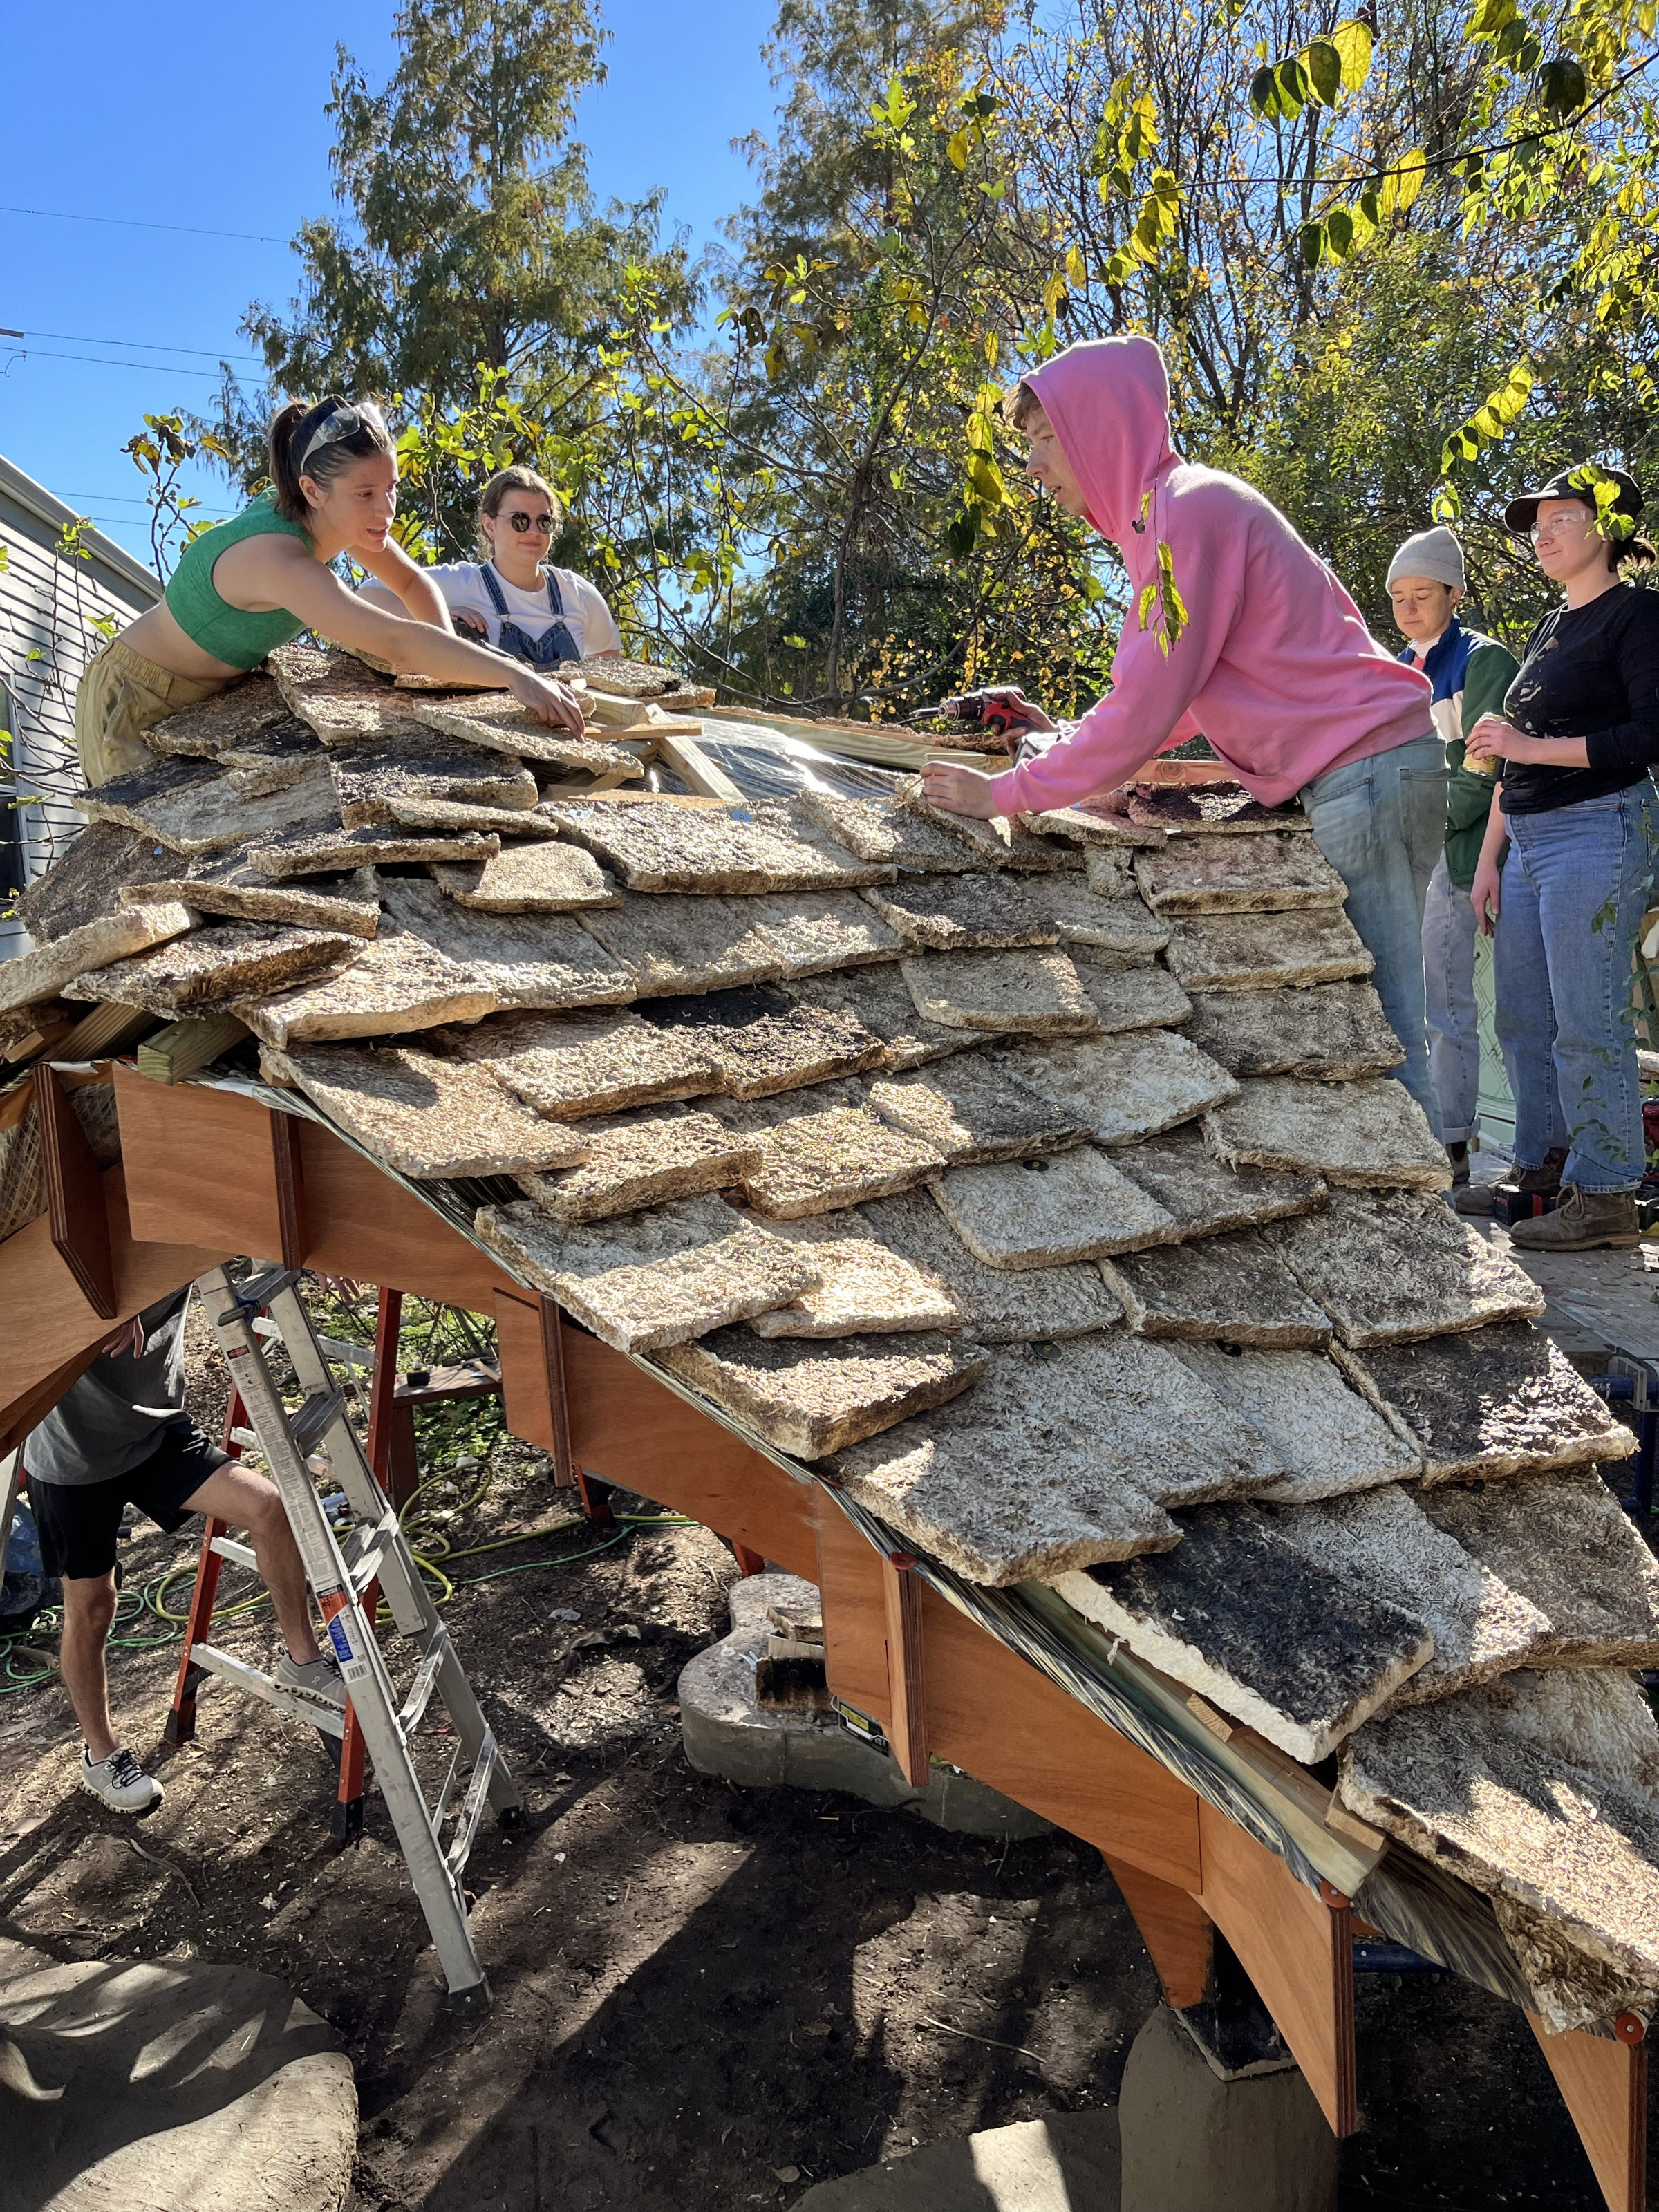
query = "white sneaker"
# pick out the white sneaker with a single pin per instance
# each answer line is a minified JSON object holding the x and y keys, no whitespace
{"x":317,"y":1678}
{"x":121,"y":1782}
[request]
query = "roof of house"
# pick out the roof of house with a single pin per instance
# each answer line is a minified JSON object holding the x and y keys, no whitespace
{"x":116,"y":569}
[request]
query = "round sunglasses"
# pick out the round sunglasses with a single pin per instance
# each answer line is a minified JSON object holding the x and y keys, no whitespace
{"x":541,"y":524}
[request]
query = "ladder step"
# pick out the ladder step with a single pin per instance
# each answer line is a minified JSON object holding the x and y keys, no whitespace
{"x":254,"y":1684}
{"x":227,"y":1548}
{"x":420,"y":1690}
{"x":260,"y":1289}
{"x":477,"y":1797}
{"x":365,"y":1562}
{"x":314,"y":1419}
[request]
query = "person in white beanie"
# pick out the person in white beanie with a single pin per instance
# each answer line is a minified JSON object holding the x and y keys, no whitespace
{"x":1470,"y":673}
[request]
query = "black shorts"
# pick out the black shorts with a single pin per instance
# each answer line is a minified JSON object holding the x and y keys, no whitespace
{"x":78,"y":1520}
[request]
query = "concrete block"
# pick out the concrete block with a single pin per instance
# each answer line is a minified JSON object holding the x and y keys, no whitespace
{"x":1194,"y":2143}
{"x":726,"y":1732}
{"x":127,"y":2085}
{"x":1065,"y":2163}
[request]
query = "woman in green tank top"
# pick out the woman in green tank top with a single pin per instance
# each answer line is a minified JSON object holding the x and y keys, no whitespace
{"x":259,"y":580}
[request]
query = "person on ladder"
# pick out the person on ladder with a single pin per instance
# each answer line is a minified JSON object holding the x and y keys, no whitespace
{"x":121,"y":1435}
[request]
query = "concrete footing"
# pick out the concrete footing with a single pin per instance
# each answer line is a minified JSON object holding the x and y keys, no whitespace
{"x":1067,"y":2163}
{"x":166,"y":2088}
{"x":726,"y":1732}
{"x":1183,"y":2138}
{"x":1194,"y":2142}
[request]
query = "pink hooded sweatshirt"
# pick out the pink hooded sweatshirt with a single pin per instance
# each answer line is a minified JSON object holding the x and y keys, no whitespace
{"x":1275,"y":665}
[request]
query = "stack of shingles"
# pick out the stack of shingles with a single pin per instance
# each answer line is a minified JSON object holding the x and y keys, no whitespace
{"x":1044,"y":1184}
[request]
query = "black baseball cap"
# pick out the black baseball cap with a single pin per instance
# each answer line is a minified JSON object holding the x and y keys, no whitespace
{"x":1572,"y":484}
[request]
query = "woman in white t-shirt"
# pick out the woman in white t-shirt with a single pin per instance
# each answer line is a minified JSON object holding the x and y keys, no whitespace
{"x":514,"y":600}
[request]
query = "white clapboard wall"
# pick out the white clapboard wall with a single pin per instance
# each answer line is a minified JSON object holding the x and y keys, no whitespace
{"x":57,"y":584}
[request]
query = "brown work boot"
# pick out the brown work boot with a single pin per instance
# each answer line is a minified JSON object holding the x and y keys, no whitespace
{"x":1544,"y":1181}
{"x":1584,"y":1220}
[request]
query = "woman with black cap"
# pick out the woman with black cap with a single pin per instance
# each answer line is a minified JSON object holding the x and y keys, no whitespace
{"x":1574,"y":745}
{"x":259,"y":580}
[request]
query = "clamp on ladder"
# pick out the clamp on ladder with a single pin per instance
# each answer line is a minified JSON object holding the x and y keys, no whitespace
{"x":346,"y":1578}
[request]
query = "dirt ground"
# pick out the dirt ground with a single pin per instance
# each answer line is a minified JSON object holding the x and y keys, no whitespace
{"x":705,"y":1997}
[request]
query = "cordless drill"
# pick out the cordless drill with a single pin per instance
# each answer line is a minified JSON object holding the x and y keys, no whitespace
{"x":1001,"y":709}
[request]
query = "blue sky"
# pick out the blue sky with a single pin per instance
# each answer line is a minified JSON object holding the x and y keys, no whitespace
{"x":210,"y":118}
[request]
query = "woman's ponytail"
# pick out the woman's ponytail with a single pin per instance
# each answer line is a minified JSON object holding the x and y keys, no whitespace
{"x":287,"y":497}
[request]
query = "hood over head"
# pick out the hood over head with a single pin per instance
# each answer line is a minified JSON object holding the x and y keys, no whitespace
{"x":1108,"y":400}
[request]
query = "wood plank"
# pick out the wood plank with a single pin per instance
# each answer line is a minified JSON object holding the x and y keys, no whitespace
{"x":854,"y":1612}
{"x":76,"y":1214}
{"x":363,"y":1225}
{"x":1604,"y":2085}
{"x":994,"y":1716}
{"x":1298,"y":1950}
{"x":628,"y":1428}
{"x":906,"y":1731}
{"x":532,"y":1352}
{"x":698,"y":768}
{"x":199,"y":1166}
{"x":47,"y":1320}
{"x":1178,"y":1933}
{"x":289,"y":1167}
{"x":25,"y":1412}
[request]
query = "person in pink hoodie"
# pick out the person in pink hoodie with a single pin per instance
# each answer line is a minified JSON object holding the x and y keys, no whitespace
{"x":1274,"y":665}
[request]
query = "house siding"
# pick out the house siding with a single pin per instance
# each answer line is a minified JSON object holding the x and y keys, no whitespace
{"x":51,"y":604}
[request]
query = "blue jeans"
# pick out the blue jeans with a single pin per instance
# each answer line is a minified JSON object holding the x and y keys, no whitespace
{"x":1574,"y":889}
{"x":1381,"y":822}
{"x":1454,"y":1017}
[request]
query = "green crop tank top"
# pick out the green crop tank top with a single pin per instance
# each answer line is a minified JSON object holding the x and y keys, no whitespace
{"x":228,"y":633}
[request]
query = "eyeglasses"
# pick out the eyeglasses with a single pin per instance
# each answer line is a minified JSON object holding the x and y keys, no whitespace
{"x":1561,"y":522}
{"x":541,"y":524}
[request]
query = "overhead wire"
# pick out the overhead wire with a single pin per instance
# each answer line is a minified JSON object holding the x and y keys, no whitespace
{"x":135,"y":222}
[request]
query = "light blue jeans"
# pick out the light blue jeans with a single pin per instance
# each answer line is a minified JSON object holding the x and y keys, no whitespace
{"x":1574,"y":890}
{"x":1454,"y":1017}
{"x":1381,"y":822}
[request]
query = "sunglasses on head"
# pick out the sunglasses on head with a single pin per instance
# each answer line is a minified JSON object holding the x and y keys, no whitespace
{"x":541,"y":524}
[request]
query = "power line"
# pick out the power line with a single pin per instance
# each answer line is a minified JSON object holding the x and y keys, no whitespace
{"x":91,"y":360}
{"x":132,"y":222}
{"x":144,"y":345}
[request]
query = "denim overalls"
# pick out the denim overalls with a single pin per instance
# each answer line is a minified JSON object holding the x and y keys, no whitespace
{"x":556,"y":645}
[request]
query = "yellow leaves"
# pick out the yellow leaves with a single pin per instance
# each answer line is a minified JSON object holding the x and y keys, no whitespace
{"x":1491,"y":422}
{"x":1155,"y":227}
{"x":1161,"y":608}
{"x":1319,"y":74}
{"x":1076,"y":273}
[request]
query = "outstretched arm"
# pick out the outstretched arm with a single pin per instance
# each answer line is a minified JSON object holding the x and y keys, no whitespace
{"x":402,"y":586}
{"x":283,"y":574}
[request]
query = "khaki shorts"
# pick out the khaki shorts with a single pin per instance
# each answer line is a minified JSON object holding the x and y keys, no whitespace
{"x":120,"y":696}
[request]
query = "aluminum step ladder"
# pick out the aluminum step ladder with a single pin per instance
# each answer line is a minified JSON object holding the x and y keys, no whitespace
{"x":344,"y":1574}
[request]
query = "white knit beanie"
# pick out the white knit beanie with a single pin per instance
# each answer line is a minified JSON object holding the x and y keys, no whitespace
{"x":1435,"y":553}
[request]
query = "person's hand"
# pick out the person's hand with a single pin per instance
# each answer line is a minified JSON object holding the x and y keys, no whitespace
{"x":1005,"y":710}
{"x":554,"y":702}
{"x":1493,"y":739}
{"x":1483,"y":897}
{"x":471,"y":626}
{"x":125,"y":1342}
{"x":959,"y":790}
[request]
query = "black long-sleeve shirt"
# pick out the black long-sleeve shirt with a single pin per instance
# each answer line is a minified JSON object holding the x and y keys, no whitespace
{"x":1589,"y":672}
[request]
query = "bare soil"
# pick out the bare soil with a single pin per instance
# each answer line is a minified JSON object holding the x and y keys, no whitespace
{"x":705,"y":1997}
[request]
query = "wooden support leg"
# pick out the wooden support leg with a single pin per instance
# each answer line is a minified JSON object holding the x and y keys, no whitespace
{"x":1605,"y":2087}
{"x":383,"y":1383}
{"x":1298,"y":1949}
{"x":1176,"y":1929}
{"x":906,"y":1728}
{"x":75,"y":1208}
{"x":285,"y":1135}
{"x":749,"y":1562}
